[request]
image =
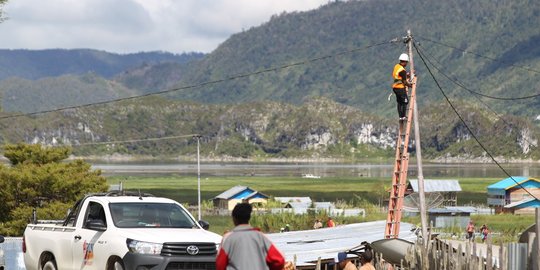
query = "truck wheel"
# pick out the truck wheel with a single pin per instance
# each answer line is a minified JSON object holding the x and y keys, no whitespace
{"x":49,"y":265}
{"x":116,"y":264}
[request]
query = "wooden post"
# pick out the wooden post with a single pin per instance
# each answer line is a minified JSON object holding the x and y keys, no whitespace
{"x":422,"y":198}
{"x":537,"y":210}
{"x":489,"y":254}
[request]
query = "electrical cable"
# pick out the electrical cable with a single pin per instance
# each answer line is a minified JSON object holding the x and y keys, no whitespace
{"x":477,"y":54}
{"x":138,"y":140}
{"x":457,"y":82}
{"x":484,"y":95}
{"x":199,"y":85}
{"x":467,"y":126}
{"x":131,"y":141}
{"x":460,"y":84}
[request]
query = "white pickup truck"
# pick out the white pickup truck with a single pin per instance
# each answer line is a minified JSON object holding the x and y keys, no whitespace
{"x":117,"y":231}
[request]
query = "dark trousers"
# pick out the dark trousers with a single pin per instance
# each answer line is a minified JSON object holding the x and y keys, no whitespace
{"x":402,"y":100}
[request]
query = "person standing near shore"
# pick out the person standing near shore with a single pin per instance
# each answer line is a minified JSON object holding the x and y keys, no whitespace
{"x":470,"y":231}
{"x":330,"y":223}
{"x":484,"y":231}
{"x":317,"y":224}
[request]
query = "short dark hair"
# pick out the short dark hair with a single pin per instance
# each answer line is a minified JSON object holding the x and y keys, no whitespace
{"x":367,"y":255}
{"x":242,"y":212}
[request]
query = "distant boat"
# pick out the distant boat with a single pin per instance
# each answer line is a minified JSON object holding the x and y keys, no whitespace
{"x":309,"y":175}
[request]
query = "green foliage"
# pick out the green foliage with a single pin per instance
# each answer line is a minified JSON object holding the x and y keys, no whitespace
{"x":39,"y":180}
{"x":505,"y":31}
{"x":35,"y":154}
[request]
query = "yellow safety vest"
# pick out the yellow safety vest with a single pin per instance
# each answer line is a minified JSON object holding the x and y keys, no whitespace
{"x":398,"y":81}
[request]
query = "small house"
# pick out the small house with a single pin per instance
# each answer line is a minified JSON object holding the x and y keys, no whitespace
{"x":516,"y":194}
{"x":447,"y":188}
{"x":450,"y":216}
{"x":285,"y":200}
{"x":238,"y":194}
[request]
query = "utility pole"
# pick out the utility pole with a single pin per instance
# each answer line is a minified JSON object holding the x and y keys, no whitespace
{"x":422,"y":198}
{"x":198,"y":137}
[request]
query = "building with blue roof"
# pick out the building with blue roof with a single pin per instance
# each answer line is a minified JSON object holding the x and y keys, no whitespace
{"x":237,"y":194}
{"x":516,"y":194}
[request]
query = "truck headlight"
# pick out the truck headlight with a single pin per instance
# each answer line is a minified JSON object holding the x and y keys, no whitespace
{"x":140,"y":247}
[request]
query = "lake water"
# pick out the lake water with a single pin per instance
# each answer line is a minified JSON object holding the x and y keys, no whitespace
{"x":319,"y":169}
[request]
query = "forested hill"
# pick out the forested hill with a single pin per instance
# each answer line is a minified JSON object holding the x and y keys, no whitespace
{"x":37,"y":64}
{"x":340,"y":51}
{"x":501,"y":36}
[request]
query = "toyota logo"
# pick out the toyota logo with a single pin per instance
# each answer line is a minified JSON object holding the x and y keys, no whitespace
{"x":192,"y":250}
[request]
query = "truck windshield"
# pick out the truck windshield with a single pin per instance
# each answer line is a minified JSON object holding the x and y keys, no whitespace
{"x":144,"y":215}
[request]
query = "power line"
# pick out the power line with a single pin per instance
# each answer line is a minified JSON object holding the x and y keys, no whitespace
{"x":456,"y":81}
{"x":138,"y":140}
{"x":477,"y":54}
{"x":199,"y":85}
{"x":480,"y":94}
{"x":467,"y":126}
{"x":460,"y":84}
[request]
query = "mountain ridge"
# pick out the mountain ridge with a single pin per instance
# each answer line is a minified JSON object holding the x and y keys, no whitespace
{"x":298,"y":61}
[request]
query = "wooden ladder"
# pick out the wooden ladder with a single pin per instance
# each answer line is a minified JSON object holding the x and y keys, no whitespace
{"x":401,"y":165}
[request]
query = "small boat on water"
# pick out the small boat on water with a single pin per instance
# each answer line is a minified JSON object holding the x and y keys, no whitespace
{"x":309,"y":175}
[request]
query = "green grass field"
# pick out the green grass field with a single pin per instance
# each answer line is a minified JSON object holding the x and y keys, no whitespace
{"x":184,"y":188}
{"x":361,"y":192}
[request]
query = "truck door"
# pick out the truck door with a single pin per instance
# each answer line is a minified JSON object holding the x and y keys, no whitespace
{"x":89,"y":246}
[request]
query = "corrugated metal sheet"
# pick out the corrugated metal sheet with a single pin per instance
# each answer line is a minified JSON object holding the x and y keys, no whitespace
{"x":517,"y":256}
{"x":293,"y":199}
{"x":254,"y":195}
{"x":531,"y":202}
{"x":449,"y":221}
{"x":453,"y":209}
{"x":231,"y":192}
{"x":437,"y":185}
{"x":13,"y":256}
{"x":298,"y":205}
{"x":325,"y":243}
{"x":508,"y":182}
{"x":240,"y":192}
{"x":328,"y":206}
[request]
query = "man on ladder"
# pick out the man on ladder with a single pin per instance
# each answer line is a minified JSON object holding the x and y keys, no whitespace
{"x":401,"y":82}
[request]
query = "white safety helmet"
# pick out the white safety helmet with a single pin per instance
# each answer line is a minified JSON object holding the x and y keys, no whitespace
{"x":404,"y":57}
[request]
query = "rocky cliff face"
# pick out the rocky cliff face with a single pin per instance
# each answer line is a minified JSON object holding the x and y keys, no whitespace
{"x":318,"y":128}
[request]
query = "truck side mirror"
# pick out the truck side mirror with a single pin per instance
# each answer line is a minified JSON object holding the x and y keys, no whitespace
{"x":205,"y":225}
{"x":96,"y":225}
{"x":1,"y":239}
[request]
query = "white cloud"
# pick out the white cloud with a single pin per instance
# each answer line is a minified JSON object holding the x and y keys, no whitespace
{"x":126,"y":26}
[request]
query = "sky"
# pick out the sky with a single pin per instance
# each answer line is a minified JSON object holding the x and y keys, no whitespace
{"x":130,"y":26}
